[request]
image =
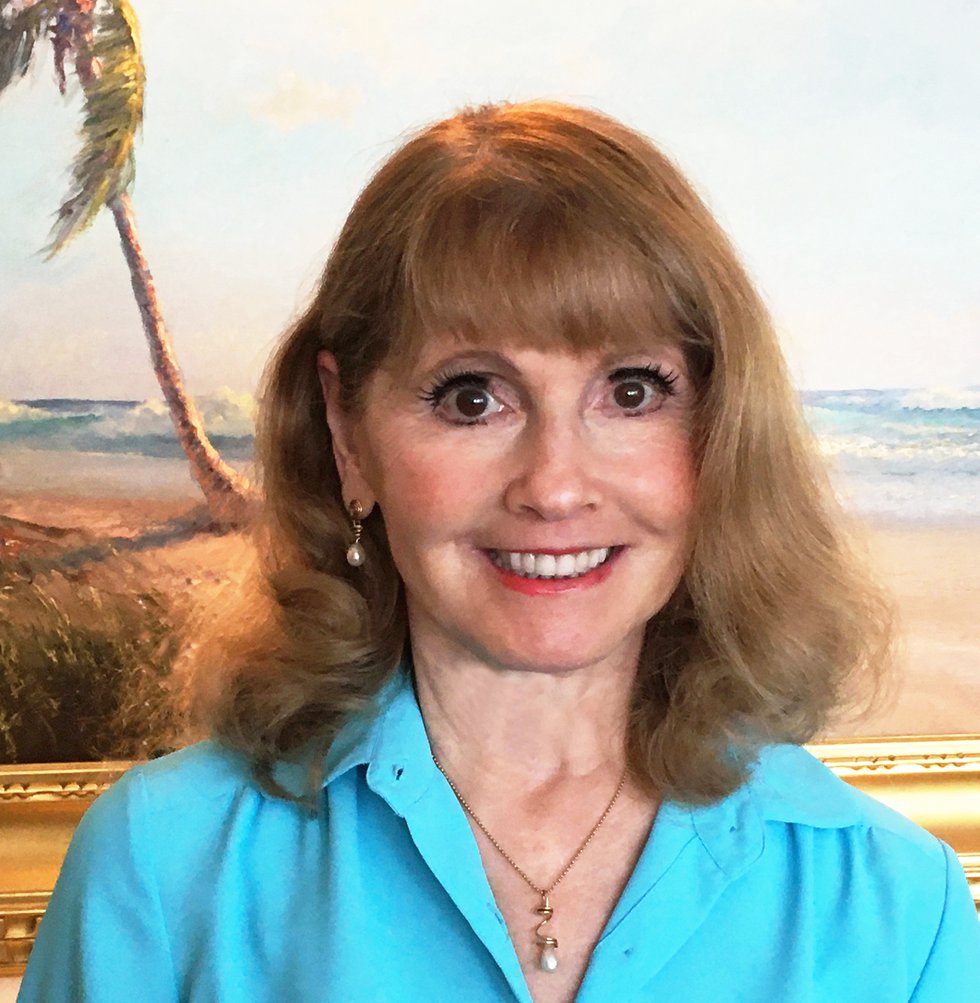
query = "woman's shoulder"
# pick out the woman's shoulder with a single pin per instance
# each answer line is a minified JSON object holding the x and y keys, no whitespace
{"x":204,"y":769}
{"x":180,"y":789}
{"x":141,"y":856}
{"x":868,"y":869}
{"x":790,"y":785}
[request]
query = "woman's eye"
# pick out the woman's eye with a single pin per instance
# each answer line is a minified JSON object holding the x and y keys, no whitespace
{"x":463,"y":399}
{"x":632,"y":394}
{"x":641,"y":389}
{"x":470,"y":404}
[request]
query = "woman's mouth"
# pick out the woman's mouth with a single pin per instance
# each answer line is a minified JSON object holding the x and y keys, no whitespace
{"x":542,"y":565}
{"x":538,"y":573}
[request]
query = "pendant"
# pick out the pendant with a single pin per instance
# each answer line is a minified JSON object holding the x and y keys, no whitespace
{"x":548,"y":945}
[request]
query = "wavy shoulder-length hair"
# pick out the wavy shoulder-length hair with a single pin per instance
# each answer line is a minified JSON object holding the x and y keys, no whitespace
{"x":557,"y":227}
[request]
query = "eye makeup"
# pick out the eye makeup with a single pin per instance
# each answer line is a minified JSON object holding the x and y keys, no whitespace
{"x":452,"y":379}
{"x":457,"y":377}
{"x":655,"y":373}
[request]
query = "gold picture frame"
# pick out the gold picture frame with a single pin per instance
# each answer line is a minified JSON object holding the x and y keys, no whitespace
{"x":933,"y":780}
{"x":39,"y":809}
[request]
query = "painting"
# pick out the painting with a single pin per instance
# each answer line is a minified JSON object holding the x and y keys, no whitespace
{"x":173,"y":177}
{"x":169,"y":195}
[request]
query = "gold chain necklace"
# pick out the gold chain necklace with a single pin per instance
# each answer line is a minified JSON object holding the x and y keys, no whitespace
{"x":549,"y":945}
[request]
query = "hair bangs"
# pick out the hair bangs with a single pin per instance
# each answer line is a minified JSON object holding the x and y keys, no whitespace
{"x":508,"y":264}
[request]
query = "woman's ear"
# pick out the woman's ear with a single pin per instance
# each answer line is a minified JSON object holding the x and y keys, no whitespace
{"x":342,"y":433}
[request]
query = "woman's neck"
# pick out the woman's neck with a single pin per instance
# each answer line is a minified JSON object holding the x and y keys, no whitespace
{"x":517,"y":730}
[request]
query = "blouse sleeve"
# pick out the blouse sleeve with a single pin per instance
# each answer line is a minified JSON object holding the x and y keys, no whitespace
{"x":951,"y":973}
{"x":103,"y":936}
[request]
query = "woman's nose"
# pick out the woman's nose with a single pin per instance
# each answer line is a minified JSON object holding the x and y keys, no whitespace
{"x":555,"y":473}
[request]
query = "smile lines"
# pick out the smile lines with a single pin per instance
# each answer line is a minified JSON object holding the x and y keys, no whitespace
{"x":530,"y":565}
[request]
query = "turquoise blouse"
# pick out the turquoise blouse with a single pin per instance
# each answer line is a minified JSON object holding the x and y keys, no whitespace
{"x":187,"y":882}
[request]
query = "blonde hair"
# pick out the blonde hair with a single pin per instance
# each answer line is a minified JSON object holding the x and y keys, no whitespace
{"x":556,"y":226}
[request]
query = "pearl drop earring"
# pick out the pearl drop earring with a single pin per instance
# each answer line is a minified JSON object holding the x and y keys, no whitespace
{"x":355,"y":552}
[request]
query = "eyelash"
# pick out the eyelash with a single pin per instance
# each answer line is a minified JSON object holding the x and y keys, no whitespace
{"x":655,"y":373}
{"x":455,"y":379}
{"x":452,"y":379}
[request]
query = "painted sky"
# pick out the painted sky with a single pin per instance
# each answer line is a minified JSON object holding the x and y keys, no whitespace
{"x":838,"y":143}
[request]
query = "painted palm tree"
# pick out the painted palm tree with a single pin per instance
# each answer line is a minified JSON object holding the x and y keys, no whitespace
{"x":100,"y":40}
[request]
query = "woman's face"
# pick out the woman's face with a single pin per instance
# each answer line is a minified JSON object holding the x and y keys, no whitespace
{"x":538,"y":504}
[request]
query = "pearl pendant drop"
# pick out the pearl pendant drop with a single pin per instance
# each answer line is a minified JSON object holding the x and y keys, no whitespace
{"x":355,"y":555}
{"x":549,"y":960}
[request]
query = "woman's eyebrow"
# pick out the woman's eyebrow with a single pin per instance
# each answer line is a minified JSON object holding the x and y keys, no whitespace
{"x":626,"y":356}
{"x":623,"y":357}
{"x":476,"y":357}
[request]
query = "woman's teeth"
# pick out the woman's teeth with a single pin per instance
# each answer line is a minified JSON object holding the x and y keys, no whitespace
{"x":550,"y":565}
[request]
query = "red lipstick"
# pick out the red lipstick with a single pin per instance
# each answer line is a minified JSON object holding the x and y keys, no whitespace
{"x":555,"y":586}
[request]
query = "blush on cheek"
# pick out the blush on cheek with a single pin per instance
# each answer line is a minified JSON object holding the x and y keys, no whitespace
{"x":446,"y":471}
{"x":682,"y":492}
{"x":421,"y":501}
{"x":436,"y":493}
{"x":665,"y":477}
{"x":675,"y":463}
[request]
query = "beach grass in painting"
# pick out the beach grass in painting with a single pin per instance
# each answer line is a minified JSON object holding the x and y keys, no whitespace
{"x":108,"y":553}
{"x":82,"y":672}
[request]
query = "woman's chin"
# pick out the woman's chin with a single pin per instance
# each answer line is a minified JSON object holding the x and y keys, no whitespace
{"x":553,"y":660}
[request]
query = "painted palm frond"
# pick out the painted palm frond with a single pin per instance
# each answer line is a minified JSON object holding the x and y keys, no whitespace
{"x":20,"y":28}
{"x":109,"y":66}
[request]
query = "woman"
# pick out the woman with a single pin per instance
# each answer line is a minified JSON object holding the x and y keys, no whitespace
{"x":550,"y":588}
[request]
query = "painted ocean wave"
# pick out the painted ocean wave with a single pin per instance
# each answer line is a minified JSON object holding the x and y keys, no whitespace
{"x":909,"y":453}
{"x":115,"y":426}
{"x":942,"y":399}
{"x":897,"y":400}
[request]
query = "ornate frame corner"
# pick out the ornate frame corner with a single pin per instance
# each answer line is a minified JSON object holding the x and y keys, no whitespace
{"x":40,"y":805}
